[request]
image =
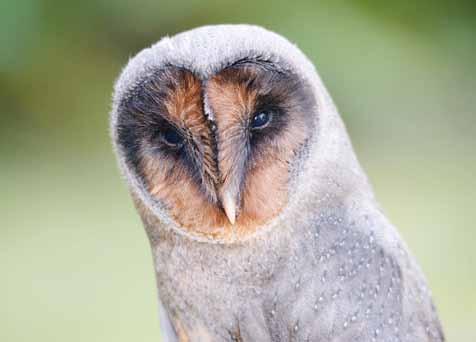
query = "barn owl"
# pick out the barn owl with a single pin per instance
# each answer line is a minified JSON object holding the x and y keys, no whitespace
{"x":262,"y":224}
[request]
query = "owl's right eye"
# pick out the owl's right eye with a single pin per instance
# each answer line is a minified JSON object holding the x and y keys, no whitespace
{"x":172,"y":138}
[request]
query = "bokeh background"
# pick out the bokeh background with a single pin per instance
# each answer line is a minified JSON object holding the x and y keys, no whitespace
{"x":74,"y":261}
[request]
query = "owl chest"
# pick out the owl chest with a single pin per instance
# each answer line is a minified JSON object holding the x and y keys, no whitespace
{"x":304,"y":288}
{"x":221,"y":291}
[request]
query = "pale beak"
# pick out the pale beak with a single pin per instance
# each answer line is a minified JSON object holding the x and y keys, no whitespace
{"x":229,"y":205}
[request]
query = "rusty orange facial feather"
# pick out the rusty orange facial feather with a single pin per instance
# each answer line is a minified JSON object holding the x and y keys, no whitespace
{"x":220,"y":178}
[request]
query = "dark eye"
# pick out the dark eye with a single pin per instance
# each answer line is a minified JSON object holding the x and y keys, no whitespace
{"x":260,"y":120}
{"x":172,"y":138}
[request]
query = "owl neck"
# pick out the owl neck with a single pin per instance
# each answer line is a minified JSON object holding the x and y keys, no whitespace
{"x":210,"y":282}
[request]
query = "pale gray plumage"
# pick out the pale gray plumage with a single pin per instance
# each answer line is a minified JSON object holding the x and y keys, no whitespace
{"x":330,"y":267}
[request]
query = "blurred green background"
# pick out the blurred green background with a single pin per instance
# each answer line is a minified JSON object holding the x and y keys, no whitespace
{"x":75,"y":263}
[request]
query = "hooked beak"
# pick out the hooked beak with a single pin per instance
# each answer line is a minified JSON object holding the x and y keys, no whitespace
{"x":228,"y":202}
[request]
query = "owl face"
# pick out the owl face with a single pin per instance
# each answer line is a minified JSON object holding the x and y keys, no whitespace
{"x":217,"y":153}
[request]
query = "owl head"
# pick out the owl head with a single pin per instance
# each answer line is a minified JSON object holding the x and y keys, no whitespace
{"x":214,"y":129}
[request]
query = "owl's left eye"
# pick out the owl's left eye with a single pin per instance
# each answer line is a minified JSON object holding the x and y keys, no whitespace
{"x":261,"y":120}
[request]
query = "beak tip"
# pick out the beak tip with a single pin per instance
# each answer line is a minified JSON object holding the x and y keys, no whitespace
{"x":230,"y":213}
{"x":229,"y":207}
